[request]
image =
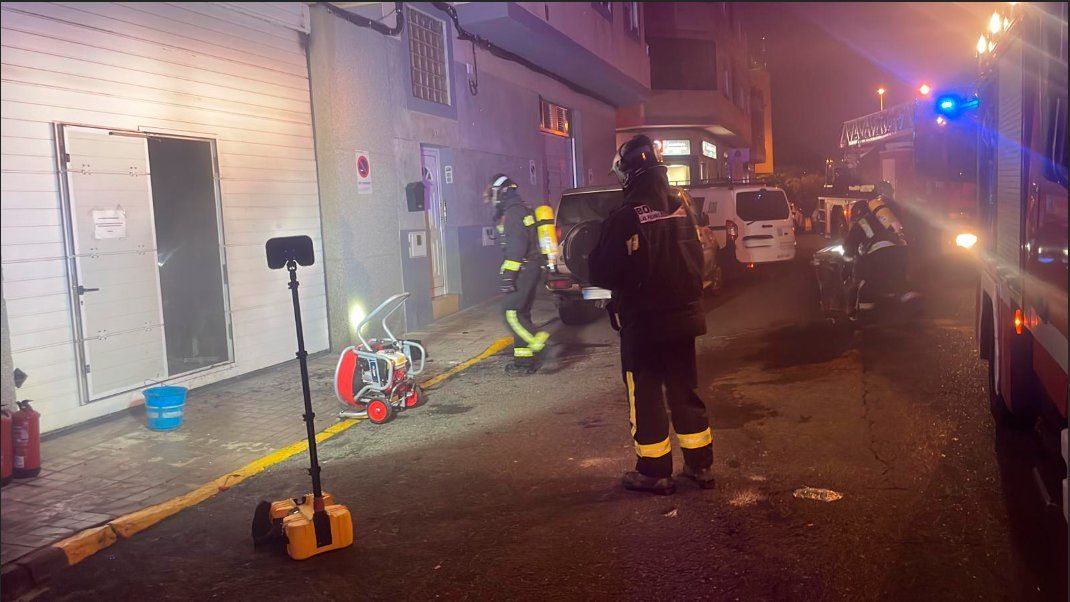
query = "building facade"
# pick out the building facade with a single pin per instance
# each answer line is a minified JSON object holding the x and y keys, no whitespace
{"x":148,"y":152}
{"x":448,"y":99}
{"x":708,"y":102}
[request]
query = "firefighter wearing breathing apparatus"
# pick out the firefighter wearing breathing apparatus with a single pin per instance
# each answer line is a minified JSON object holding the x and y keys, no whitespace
{"x":521,"y":270}
{"x":877,"y":245}
{"x":649,"y":255}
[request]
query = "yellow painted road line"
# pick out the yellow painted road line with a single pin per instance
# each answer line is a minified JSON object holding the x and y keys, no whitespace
{"x":495,"y":347}
{"x":84,"y":544}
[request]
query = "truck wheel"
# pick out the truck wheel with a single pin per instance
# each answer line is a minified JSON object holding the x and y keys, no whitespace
{"x":1022,"y":418}
{"x":577,"y":313}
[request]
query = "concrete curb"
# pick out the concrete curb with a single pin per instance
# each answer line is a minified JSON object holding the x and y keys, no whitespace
{"x":22,"y":575}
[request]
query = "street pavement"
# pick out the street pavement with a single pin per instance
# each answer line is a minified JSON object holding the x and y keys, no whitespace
{"x":508,"y":487}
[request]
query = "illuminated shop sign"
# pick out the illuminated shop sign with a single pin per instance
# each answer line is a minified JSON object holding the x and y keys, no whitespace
{"x":709,"y":150}
{"x":675,"y":147}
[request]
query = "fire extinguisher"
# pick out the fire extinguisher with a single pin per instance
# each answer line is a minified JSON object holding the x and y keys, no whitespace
{"x":26,"y":435}
{"x":6,"y":448}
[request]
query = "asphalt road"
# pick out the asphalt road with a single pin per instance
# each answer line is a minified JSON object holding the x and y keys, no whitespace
{"x":508,"y":487}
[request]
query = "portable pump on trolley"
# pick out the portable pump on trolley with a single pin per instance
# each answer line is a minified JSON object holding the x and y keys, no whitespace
{"x":377,"y":378}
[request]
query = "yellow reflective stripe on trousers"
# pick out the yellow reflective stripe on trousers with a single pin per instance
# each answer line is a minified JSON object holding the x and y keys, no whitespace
{"x":514,"y":323}
{"x":695,"y":440}
{"x":653,"y":450}
{"x":630,"y":381}
{"x":510,"y":265}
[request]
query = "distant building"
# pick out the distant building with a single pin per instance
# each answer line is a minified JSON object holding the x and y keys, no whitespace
{"x":709,"y":103}
{"x":761,"y":110}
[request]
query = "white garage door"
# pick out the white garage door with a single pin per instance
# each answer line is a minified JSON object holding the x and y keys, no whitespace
{"x":115,"y":254}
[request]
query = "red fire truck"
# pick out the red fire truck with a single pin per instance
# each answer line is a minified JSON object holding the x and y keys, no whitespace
{"x":929,"y":159}
{"x":1022,"y":206}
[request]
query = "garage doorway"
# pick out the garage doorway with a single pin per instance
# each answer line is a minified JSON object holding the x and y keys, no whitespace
{"x":147,"y":261}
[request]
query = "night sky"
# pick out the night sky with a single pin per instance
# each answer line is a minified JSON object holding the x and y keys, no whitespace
{"x":826,"y":61}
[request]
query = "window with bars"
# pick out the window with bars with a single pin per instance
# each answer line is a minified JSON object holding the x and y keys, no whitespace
{"x":427,"y":57}
{"x":554,"y":119}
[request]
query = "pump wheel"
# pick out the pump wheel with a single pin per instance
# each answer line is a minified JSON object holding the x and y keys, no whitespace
{"x":379,"y":411}
{"x":415,"y":397}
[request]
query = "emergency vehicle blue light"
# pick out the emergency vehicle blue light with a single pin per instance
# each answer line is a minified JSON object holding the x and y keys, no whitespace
{"x":953,"y":106}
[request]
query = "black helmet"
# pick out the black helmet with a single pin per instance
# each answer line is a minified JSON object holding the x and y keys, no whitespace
{"x":858,"y":210}
{"x":884,"y":189}
{"x":634,"y":158}
{"x":499,"y":187}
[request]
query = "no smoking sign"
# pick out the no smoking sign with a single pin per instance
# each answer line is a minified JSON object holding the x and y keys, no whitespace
{"x":364,"y":173}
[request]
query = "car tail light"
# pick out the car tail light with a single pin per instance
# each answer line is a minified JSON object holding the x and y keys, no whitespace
{"x":560,"y":284}
{"x":731,"y":229}
{"x":1019,"y":320}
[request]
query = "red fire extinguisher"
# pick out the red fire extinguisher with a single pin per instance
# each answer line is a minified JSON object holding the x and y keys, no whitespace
{"x":26,"y":431}
{"x":6,"y":448}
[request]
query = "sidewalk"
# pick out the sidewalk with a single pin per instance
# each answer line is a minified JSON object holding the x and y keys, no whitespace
{"x":96,"y":473}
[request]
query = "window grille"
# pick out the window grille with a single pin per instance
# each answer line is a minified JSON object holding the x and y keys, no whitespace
{"x":427,"y":58}
{"x":554,"y":119}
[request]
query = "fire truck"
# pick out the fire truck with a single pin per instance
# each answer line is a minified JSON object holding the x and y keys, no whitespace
{"x":928,"y":158}
{"x":1021,"y":110}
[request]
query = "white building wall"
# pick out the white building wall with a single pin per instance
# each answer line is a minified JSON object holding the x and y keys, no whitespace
{"x":233,"y":72}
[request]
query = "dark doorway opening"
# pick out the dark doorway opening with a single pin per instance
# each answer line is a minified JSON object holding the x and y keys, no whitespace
{"x":189,"y":249}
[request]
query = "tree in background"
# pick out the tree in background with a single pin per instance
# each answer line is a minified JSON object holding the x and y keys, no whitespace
{"x":802,"y":186}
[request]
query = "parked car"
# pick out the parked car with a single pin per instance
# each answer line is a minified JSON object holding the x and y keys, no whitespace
{"x":752,"y":223}
{"x":579,"y":225}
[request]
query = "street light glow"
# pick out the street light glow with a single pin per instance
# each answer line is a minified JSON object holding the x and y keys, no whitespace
{"x":995,"y":23}
{"x":925,"y":89}
{"x":881,"y":91}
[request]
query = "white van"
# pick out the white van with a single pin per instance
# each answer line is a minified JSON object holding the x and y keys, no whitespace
{"x":750,"y":221}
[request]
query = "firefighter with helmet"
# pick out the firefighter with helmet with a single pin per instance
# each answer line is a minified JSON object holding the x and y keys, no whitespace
{"x":520,"y":272}
{"x":877,"y":244}
{"x":650,"y":256}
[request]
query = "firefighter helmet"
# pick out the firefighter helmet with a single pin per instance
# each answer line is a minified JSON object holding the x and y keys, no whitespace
{"x":884,"y":189}
{"x":634,"y":158}
{"x":500,"y":185}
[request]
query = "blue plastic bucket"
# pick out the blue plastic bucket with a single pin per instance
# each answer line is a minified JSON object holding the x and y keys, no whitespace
{"x":163,"y":407}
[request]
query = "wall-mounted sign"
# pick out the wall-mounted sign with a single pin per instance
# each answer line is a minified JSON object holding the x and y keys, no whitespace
{"x":109,"y":223}
{"x":531,"y":172}
{"x":364,"y":173}
{"x":448,"y":172}
{"x":709,"y":150}
{"x":671,"y":148}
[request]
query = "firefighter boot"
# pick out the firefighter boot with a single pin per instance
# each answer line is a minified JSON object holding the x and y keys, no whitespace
{"x":522,"y":366}
{"x":702,"y":476}
{"x":637,"y":481}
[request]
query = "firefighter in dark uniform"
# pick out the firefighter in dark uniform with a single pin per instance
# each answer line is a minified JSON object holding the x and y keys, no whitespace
{"x":520,"y":272}
{"x":650,"y":256}
{"x":878,"y":247}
